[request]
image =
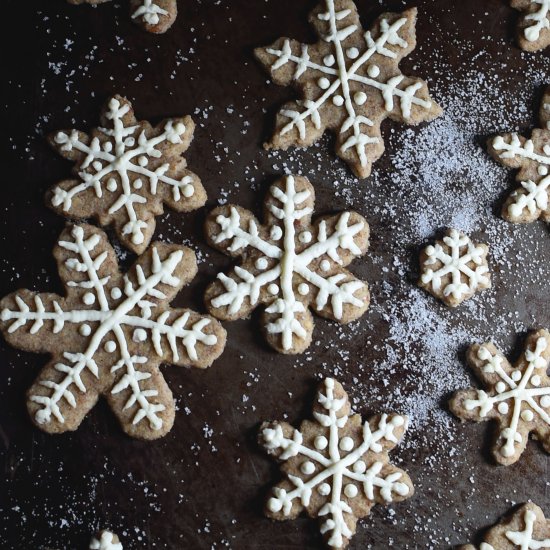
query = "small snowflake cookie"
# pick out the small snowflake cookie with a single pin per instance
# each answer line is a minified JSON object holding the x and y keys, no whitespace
{"x":455,"y":268}
{"x":125,"y":171}
{"x":336,"y":467}
{"x":350,"y":82}
{"x":109,"y":334}
{"x":105,"y":540}
{"x":155,"y":16}
{"x":517,"y":397}
{"x":532,"y":157}
{"x":534,"y":27}
{"x":525,"y":529}
{"x":288,"y":265}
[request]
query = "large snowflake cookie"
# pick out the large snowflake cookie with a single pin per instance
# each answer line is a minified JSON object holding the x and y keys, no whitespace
{"x":350,"y":82}
{"x":155,"y":16}
{"x":125,"y":171}
{"x":105,"y":540}
{"x":109,"y":334}
{"x":534,"y":27}
{"x":525,"y":529}
{"x":288,"y":265}
{"x":455,"y":268}
{"x":337,"y":467}
{"x":517,"y":397}
{"x":532,"y":156}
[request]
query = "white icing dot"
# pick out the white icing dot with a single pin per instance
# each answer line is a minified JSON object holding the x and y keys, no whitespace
{"x":360,"y":98}
{"x":535,"y":380}
{"x":85,"y":330}
{"x":109,"y":346}
{"x":111,"y":185}
{"x":320,"y":442}
{"x":142,"y":160}
{"x":543,"y":170}
{"x":138,"y":183}
{"x":324,"y":489}
{"x":373,"y":71}
{"x":503,"y":408}
{"x":276,"y":233}
{"x":338,"y":100}
{"x":188,"y":190}
{"x":97,"y":165}
{"x":324,"y":83}
{"x":359,"y":467}
{"x":116,"y":293}
{"x":130,"y":141}
{"x":350,"y":490}
{"x":545,"y":401}
{"x":346,"y":444}
{"x":140,"y":335}
{"x":273,"y":289}
{"x":107,"y":146}
{"x":352,"y":53}
{"x":261,"y":263}
{"x":305,"y":237}
{"x":274,"y":504}
{"x":303,"y":289}
{"x":307,"y":467}
{"x":500,"y":387}
{"x":516,"y":375}
{"x":325,"y":265}
{"x":329,"y":60}
{"x":527,"y":415}
{"x":88,"y":298}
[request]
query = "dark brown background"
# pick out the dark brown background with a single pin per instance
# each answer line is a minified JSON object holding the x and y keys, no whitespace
{"x":203,"y":485}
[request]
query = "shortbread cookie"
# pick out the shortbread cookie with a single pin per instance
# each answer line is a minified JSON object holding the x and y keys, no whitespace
{"x":105,"y":540}
{"x":534,"y":27}
{"x":289,"y":264}
{"x":109,"y":334}
{"x":517,"y":397}
{"x":532,"y":157}
{"x":455,"y":268}
{"x":125,"y":171}
{"x":350,"y":82}
{"x":155,"y":16}
{"x":336,"y":467}
{"x":525,"y":529}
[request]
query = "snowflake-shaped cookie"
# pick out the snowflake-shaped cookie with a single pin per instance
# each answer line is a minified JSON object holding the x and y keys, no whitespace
{"x":350,"y":81}
{"x":109,"y":334}
{"x":534,"y":27}
{"x":105,"y":540}
{"x":455,"y":268}
{"x":337,"y":467}
{"x":532,"y":156}
{"x":518,"y":397}
{"x":289,"y":264}
{"x":126,"y":171}
{"x":525,"y":529}
{"x":155,"y":16}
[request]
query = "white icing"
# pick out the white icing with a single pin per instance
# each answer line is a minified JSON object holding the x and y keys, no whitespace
{"x":150,"y":12}
{"x":518,"y":395}
{"x":342,"y":75}
{"x":105,"y":542}
{"x":120,"y":159}
{"x":85,"y":330}
{"x":333,"y":469}
{"x":288,"y":262}
{"x":109,"y":322}
{"x":540,"y":18}
{"x":524,"y":539}
{"x":456,"y":263}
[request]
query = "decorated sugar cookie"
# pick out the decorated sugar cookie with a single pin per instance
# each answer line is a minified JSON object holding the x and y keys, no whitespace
{"x":109,"y":333}
{"x":336,"y":468}
{"x":155,"y":16}
{"x":105,"y":540}
{"x":531,"y":200}
{"x":455,"y":268}
{"x":289,"y":264}
{"x":350,"y":82}
{"x":125,"y":171}
{"x":534,"y":27}
{"x":516,"y":396}
{"x":525,"y":529}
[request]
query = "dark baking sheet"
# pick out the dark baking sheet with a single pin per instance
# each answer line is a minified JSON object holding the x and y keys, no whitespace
{"x":203,"y":485}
